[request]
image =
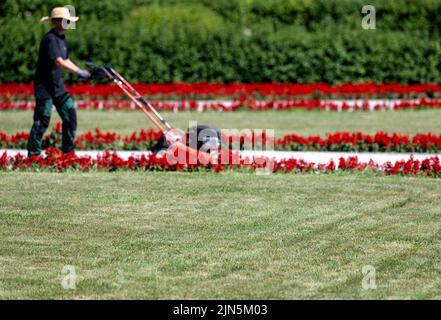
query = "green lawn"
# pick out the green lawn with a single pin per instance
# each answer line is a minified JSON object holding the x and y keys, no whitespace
{"x":232,"y":235}
{"x":283,"y":122}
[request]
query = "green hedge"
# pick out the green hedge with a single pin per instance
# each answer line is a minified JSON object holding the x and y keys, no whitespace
{"x":399,"y":15}
{"x":235,"y":40}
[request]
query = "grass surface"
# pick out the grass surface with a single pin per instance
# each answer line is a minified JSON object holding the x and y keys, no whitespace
{"x":233,"y":235}
{"x":283,"y":122}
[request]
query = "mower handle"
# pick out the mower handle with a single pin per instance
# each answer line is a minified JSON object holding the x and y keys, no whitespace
{"x":99,"y":72}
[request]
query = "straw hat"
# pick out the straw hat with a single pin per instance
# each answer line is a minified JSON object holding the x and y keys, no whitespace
{"x":59,"y":13}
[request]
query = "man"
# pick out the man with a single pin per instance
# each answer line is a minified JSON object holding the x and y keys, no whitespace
{"x":53,"y":58}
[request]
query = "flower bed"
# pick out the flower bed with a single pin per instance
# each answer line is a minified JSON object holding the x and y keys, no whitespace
{"x":243,"y":104}
{"x":232,"y":97}
{"x":361,"y":142}
{"x":55,"y":160}
{"x":338,"y":141}
{"x":209,"y":90}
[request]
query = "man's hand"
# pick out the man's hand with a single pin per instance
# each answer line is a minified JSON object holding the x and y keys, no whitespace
{"x":83,"y":74}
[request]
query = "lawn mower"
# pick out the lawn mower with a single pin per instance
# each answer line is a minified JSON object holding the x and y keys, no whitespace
{"x":199,"y":142}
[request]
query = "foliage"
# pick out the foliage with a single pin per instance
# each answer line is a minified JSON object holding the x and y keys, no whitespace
{"x":236,"y":40}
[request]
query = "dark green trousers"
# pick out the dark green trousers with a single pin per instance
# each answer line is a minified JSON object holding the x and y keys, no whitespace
{"x":42,"y":115}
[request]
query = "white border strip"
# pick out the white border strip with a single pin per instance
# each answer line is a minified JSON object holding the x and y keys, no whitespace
{"x":316,"y":157}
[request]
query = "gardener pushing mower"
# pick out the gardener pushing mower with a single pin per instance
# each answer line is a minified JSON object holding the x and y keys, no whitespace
{"x":53,"y":59}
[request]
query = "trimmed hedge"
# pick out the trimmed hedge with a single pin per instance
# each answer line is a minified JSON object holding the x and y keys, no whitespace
{"x":401,"y":15}
{"x":235,"y":40}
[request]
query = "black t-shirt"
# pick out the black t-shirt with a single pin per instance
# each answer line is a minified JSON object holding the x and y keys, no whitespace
{"x":48,"y":82}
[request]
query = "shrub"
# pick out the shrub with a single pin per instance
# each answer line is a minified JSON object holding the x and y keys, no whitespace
{"x":235,"y":40}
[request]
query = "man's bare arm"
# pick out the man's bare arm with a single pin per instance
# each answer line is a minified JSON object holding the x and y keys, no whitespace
{"x":69,"y":66}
